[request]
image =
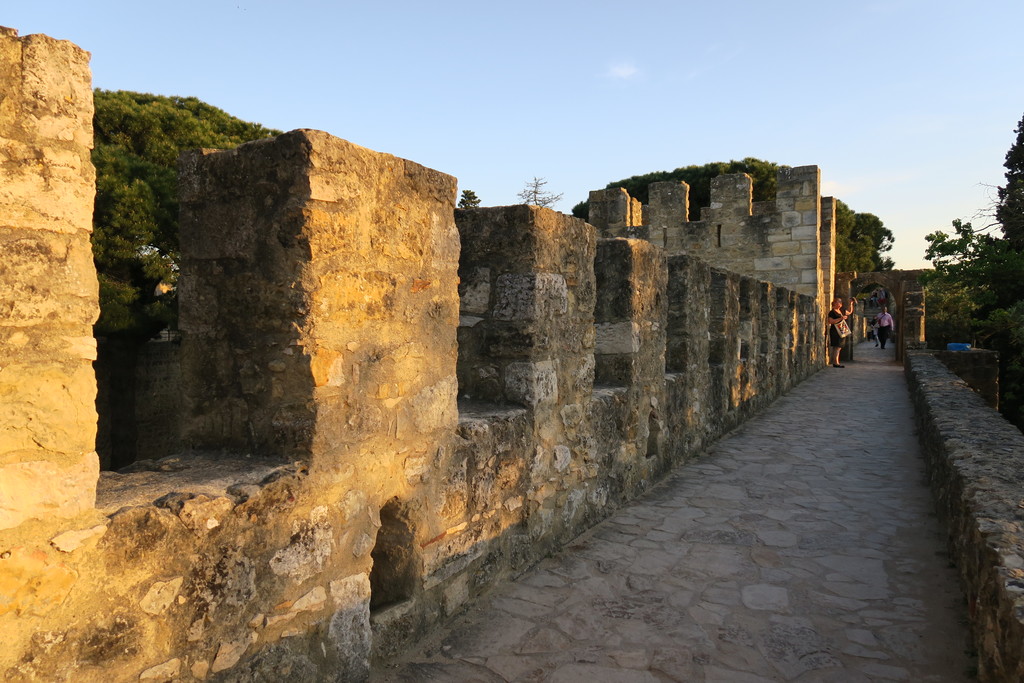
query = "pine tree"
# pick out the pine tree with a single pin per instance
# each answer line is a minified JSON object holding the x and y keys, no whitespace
{"x":1010,"y":208}
{"x":469,"y":200}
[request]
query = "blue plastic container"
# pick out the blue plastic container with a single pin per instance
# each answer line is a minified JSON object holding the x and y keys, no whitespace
{"x":958,"y":347}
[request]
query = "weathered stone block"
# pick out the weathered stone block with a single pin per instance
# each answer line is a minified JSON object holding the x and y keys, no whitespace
{"x":325,"y":302}
{"x":49,"y":300}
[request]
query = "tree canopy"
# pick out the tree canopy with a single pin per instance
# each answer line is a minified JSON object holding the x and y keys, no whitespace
{"x":861,"y":238}
{"x":468,"y":200}
{"x":861,"y":241}
{"x":135,"y":223}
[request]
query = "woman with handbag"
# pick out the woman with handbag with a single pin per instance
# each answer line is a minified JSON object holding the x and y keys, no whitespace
{"x":838,"y":329}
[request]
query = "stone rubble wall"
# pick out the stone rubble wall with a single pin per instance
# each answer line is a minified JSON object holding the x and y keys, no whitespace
{"x":390,"y":407}
{"x":973,"y":458}
{"x":49,"y":299}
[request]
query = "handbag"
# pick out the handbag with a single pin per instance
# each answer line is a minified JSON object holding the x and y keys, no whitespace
{"x":843,"y":329}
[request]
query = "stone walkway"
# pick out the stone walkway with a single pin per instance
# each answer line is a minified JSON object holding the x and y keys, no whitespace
{"x":801,"y":547}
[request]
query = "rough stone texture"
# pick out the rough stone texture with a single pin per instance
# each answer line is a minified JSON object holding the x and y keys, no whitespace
{"x":632,"y":287}
{"x":973,"y":457}
{"x":318,"y":317}
{"x":789,"y":242}
{"x":979,"y":368}
{"x":49,"y":298}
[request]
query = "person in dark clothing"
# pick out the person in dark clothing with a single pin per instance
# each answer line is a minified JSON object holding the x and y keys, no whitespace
{"x":885,"y":323}
{"x":835,"y":338}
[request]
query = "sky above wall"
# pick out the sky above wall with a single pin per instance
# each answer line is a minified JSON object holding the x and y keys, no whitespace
{"x":907,"y":106}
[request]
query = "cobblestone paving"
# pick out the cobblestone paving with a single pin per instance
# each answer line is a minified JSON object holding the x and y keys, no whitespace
{"x":801,"y":547}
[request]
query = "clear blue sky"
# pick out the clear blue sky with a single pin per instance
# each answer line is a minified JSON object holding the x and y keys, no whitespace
{"x":908,"y":106}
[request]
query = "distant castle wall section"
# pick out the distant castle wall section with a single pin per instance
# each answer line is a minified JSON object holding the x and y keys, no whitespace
{"x":789,"y":242}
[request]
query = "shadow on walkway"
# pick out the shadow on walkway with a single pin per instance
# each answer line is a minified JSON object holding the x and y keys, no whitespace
{"x":801,"y":547}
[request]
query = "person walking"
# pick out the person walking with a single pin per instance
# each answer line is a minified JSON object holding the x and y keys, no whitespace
{"x":885,"y":323}
{"x":836,"y":323}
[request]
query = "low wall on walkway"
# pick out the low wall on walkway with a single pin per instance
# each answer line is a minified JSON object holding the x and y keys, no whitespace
{"x":974,"y":459}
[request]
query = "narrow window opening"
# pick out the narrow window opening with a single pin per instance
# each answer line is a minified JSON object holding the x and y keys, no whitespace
{"x":393,"y":577}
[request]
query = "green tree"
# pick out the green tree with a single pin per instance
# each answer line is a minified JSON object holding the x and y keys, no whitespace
{"x":861,"y":241}
{"x":135,"y":223}
{"x":986,"y":274}
{"x":535,"y":194}
{"x":469,"y":200}
{"x":1010,"y":205}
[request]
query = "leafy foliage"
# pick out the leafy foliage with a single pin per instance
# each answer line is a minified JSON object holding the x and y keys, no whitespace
{"x":861,"y":241}
{"x":985,"y":275}
{"x":135,"y":223}
{"x":535,"y":194}
{"x":468,"y":200}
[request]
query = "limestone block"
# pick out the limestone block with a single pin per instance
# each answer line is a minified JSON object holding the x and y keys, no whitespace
{"x":806,"y":231}
{"x":44,"y":489}
{"x":33,"y":582}
{"x":160,"y":596}
{"x":563,"y":457}
{"x":56,"y":87}
{"x":530,"y":297}
{"x":805,"y":261}
{"x":230,"y":651}
{"x":312,"y":542}
{"x":621,"y":337}
{"x":475,"y":291}
{"x":70,"y":541}
{"x":348,"y":632}
{"x":774,"y":263}
{"x":162,"y":672}
{"x":434,"y":407}
{"x":311,"y":601}
{"x":531,"y":383}
{"x":49,"y":279}
{"x":792,"y":219}
{"x":787,"y":248}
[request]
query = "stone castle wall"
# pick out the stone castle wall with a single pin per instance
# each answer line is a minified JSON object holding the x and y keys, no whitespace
{"x":973,"y":458}
{"x":789,"y":242}
{"x":390,"y":407}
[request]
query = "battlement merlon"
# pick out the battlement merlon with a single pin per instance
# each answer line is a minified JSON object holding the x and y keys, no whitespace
{"x":789,"y":241}
{"x":613,"y":212}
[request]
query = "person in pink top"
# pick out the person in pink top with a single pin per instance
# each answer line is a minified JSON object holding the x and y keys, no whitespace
{"x":885,"y":323}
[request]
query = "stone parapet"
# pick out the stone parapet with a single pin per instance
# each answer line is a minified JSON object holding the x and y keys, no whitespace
{"x":973,"y":458}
